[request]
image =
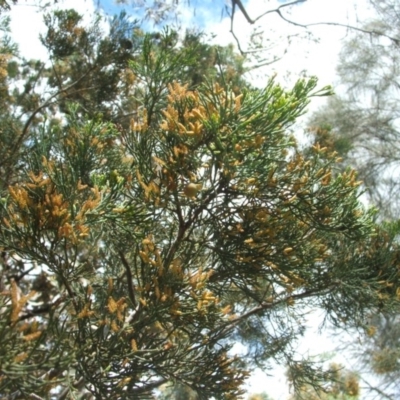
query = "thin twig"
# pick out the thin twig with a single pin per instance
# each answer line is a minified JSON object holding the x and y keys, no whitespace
{"x":253,"y":21}
{"x":354,"y":28}
{"x":279,"y":12}
{"x":376,"y":389}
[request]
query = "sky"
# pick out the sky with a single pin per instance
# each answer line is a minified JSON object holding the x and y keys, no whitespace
{"x":317,"y":55}
{"x":314,"y":57}
{"x":318,"y":58}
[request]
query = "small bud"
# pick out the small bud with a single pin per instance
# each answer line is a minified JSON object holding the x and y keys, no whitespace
{"x":191,"y":190}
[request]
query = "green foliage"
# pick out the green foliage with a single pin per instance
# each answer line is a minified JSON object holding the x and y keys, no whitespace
{"x":148,"y":223}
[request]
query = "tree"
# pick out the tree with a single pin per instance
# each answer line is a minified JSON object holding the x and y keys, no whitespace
{"x":380,"y":354}
{"x":362,"y":124}
{"x":135,"y":252}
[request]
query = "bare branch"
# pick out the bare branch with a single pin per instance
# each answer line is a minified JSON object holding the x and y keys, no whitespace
{"x":277,"y":10}
{"x":267,"y":305}
{"x":354,"y":28}
{"x":376,"y":389}
{"x":253,"y":21}
{"x":242,"y":9}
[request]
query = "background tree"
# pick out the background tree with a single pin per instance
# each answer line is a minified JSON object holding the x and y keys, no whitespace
{"x":135,"y":253}
{"x":380,"y":355}
{"x":362,"y":121}
{"x":362,"y":124}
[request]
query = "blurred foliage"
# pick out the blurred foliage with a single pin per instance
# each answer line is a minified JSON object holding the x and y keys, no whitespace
{"x":362,"y":125}
{"x":362,"y":121}
{"x":259,"y":396}
{"x":339,"y":384}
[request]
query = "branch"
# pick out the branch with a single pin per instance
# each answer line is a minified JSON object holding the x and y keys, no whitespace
{"x":253,"y":21}
{"x":279,"y":12}
{"x":129,"y":278}
{"x":42,"y":310}
{"x":354,"y":28}
{"x":265,"y":63}
{"x":376,"y":389}
{"x":268,"y":305}
{"x":242,"y":9}
{"x":185,"y":226}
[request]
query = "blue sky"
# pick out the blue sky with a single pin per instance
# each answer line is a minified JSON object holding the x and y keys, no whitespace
{"x":196,"y":7}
